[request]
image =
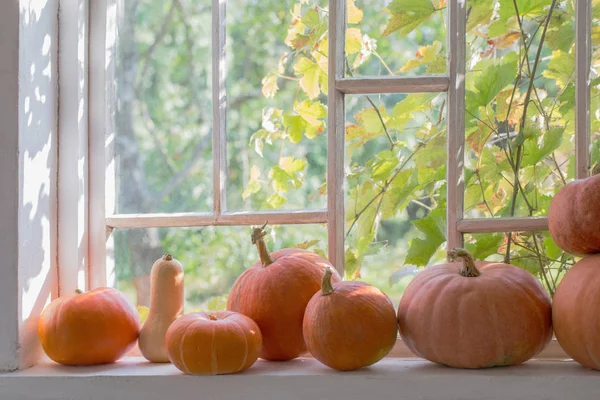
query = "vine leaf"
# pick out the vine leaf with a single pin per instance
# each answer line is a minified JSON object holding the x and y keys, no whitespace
{"x":485,"y":245}
{"x":276,"y":201}
{"x":425,"y":55}
{"x":491,"y":81}
{"x":560,"y":68}
{"x":310,"y":76}
{"x":355,"y":14}
{"x":406,"y":15}
{"x":353,"y":40}
{"x":307,"y":244}
{"x":507,"y":7}
{"x":534,"y":152}
{"x":269,"y":86}
{"x":253,"y":183}
{"x":422,"y":250}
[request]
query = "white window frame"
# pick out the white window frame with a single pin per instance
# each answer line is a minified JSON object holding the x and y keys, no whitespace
{"x":101,"y":136}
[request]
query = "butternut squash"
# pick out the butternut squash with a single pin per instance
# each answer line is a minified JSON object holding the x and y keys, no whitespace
{"x":166,"y":305}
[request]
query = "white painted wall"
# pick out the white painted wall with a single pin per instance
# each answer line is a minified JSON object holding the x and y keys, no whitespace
{"x":28,"y":172}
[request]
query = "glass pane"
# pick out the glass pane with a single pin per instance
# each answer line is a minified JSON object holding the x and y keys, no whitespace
{"x":395,"y":187}
{"x":534,"y":251}
{"x":512,"y":124}
{"x":163,"y":102}
{"x":595,"y":84}
{"x":213,"y":258}
{"x":277,"y":97}
{"x":397,"y":37}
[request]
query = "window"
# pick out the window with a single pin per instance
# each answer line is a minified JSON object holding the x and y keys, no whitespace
{"x":385,"y":130}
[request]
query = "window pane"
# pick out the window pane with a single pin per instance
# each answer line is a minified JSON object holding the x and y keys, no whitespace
{"x":395,"y":187}
{"x":213,"y":257}
{"x":277,"y":97}
{"x":397,"y":37}
{"x":510,"y":124}
{"x":534,"y":251}
{"x":595,"y":84}
{"x":163,"y":116}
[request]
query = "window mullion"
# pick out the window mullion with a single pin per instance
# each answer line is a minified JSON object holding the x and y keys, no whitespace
{"x":583,"y":51}
{"x":335,"y":140}
{"x":456,"y":120}
{"x":219,"y":106}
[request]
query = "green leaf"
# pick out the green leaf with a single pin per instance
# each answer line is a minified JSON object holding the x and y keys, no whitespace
{"x":218,"y":303}
{"x":292,"y":165}
{"x":534,"y":151}
{"x":294,"y":125}
{"x":433,"y":227}
{"x":528,"y":263}
{"x":370,"y":120}
{"x":307,"y":244}
{"x":279,"y":179}
{"x":143,"y":312}
{"x":491,"y":81}
{"x":311,"y":18}
{"x":276,"y":200}
{"x":561,"y":68}
{"x":407,"y":15}
{"x":309,"y":73}
{"x":550,"y":247}
{"x":313,"y":112}
{"x":433,"y":154}
{"x":353,"y":40}
{"x":561,"y":38}
{"x":480,"y":12}
{"x":507,"y":7}
{"x":485,"y":245}
{"x":253,"y":183}
{"x":400,"y":188}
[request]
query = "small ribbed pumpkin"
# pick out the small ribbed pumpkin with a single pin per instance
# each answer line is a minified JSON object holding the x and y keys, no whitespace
{"x":96,"y":327}
{"x":475,"y":314}
{"x":274,"y":292}
{"x":349,"y":325}
{"x":575,"y":312}
{"x":213,"y":343}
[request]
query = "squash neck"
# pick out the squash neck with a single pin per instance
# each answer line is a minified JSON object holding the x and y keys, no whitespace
{"x":468,"y":269}
{"x":326,"y":286}
{"x":258,"y":235}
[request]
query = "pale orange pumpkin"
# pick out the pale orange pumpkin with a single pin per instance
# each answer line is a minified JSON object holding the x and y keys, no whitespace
{"x":274,"y":292}
{"x":575,"y":312}
{"x":96,"y":327}
{"x":475,"y":314}
{"x":349,"y":325}
{"x":573,"y":213}
{"x":213,"y":343}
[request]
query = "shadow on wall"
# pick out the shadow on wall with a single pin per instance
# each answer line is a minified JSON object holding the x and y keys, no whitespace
{"x":38,"y":168}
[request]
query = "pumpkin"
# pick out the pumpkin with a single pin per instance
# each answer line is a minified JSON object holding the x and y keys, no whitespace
{"x":349,"y":325}
{"x":274,"y":292}
{"x":575,"y":313}
{"x":572,"y":214}
{"x":96,"y":327}
{"x":475,"y":314}
{"x":213,"y":343}
{"x":166,"y":304}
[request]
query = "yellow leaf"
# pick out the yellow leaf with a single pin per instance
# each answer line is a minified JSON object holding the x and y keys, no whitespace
{"x":355,"y":14}
{"x":269,"y":86}
{"x":353,"y":40}
{"x":425,"y":55}
{"x":143,"y":312}
{"x":505,"y":41}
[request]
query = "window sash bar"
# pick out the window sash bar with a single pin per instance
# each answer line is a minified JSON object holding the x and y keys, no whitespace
{"x":583,"y":52}
{"x":456,"y":120}
{"x":336,"y":131}
{"x":381,"y":85}
{"x":226,"y":219}
{"x":490,"y":225}
{"x":219,"y":96}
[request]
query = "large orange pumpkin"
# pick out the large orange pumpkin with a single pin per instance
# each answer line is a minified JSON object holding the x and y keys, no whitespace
{"x":96,"y":327}
{"x":349,"y":325}
{"x":274,"y":292}
{"x":206,"y":343}
{"x":573,"y":213}
{"x":575,"y":312}
{"x":475,"y":314}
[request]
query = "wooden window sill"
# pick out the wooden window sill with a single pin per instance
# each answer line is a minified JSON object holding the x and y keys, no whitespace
{"x":399,"y":378}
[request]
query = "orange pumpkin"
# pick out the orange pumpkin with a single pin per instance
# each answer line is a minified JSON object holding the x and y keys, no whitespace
{"x":274,"y":292}
{"x":570,"y":213}
{"x":575,"y":313}
{"x":221,"y":342}
{"x":475,"y":314}
{"x":96,"y":327}
{"x":349,"y":325}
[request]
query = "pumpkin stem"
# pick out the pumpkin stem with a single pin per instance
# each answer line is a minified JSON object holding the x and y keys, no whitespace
{"x":212,"y":317}
{"x":167,"y":257}
{"x":326,"y":286}
{"x":258,"y":235}
{"x":78,"y":291}
{"x":596,"y":169}
{"x":468,"y":269}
